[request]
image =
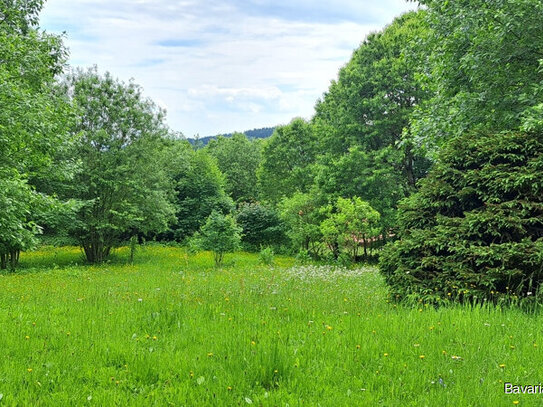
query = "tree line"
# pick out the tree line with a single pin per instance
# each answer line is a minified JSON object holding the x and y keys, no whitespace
{"x":395,"y":155}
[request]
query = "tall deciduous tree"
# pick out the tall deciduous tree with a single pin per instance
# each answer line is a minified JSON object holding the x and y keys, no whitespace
{"x":362,"y":122}
{"x":287,"y":157}
{"x":121,"y":183}
{"x":33,"y":123}
{"x":484,"y":68}
{"x":238,"y":159}
{"x":199,"y":190}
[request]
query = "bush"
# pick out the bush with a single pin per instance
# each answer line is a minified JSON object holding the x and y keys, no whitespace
{"x":474,"y":231}
{"x":261,"y":226}
{"x":220,"y":234}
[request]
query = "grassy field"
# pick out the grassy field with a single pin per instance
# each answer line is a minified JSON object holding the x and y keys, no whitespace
{"x":173,"y":330}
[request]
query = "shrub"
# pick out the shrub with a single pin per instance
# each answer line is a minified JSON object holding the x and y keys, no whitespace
{"x":261,"y":226}
{"x":474,"y":230}
{"x":220,"y":234}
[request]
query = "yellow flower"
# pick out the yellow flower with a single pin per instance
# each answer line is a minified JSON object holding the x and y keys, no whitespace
{"x":29,"y":370}
{"x":444,"y":352}
{"x":27,"y":337}
{"x":516,"y":402}
{"x":502,"y":365}
{"x":385,"y":354}
{"x":253,"y":343}
{"x":421,"y":356}
{"x":229,"y":388}
{"x":210,"y":354}
{"x":154,"y":338}
{"x":329,"y":327}
{"x":357,"y":346}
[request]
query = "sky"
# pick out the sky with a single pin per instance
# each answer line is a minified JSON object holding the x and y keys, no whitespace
{"x":221,"y":66}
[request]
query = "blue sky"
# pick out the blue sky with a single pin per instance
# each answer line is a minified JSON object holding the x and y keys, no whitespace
{"x":221,"y":66}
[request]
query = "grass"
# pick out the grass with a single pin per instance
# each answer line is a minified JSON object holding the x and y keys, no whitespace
{"x":173,"y":330}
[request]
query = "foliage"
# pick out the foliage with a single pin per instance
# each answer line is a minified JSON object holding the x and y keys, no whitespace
{"x":302,"y":214}
{"x":199,"y":190}
{"x":362,"y":122}
{"x":261,"y":226}
{"x":33,"y":125}
{"x":474,"y":231}
{"x":351,"y":223}
{"x":220,"y":234}
{"x":286,"y":159}
{"x":483,"y":67}
{"x":120,"y":183}
{"x":238,"y":159}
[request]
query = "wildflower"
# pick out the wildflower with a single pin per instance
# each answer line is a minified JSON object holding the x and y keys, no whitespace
{"x":29,"y":370}
{"x":421,"y":356}
{"x":329,"y":327}
{"x":229,"y":388}
{"x":516,"y":402}
{"x":27,"y":337}
{"x":385,"y":354}
{"x":210,"y":354}
{"x":444,"y":352}
{"x":357,"y":346}
{"x":154,"y":338}
{"x":454,"y":357}
{"x":253,"y":343}
{"x":502,"y":365}
{"x":191,"y":374}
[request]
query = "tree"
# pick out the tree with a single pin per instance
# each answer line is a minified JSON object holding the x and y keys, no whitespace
{"x":484,"y":68}
{"x":238,"y":159}
{"x":220,"y":234}
{"x":199,"y":190}
{"x":120,"y":183}
{"x":474,"y":231}
{"x":351,"y":223}
{"x":302,"y":214}
{"x":34,"y":120}
{"x":286,"y":159}
{"x":362,"y":122}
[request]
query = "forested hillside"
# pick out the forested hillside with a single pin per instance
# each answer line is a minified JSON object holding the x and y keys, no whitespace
{"x":264,"y":132}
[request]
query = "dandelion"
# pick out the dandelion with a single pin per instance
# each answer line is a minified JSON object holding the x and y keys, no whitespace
{"x":154,"y":338}
{"x":502,"y":365}
{"x":385,"y":354}
{"x":253,"y":343}
{"x":27,"y":337}
{"x":210,"y":354}
{"x":357,"y":346}
{"x":229,"y":388}
{"x":516,"y":402}
{"x":421,"y":357}
{"x":29,"y":370}
{"x":329,"y":327}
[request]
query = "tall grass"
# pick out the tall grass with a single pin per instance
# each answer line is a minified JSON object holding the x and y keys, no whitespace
{"x":171,"y":329}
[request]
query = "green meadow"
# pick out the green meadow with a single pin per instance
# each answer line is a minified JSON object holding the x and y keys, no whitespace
{"x":172,"y":329}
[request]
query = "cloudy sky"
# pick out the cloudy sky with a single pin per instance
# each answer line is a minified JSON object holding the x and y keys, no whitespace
{"x":221,"y":66}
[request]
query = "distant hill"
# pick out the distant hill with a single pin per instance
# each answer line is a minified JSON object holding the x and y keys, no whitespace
{"x":264,"y":132}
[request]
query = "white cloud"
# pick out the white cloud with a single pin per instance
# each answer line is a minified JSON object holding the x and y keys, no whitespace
{"x":220,"y":66}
